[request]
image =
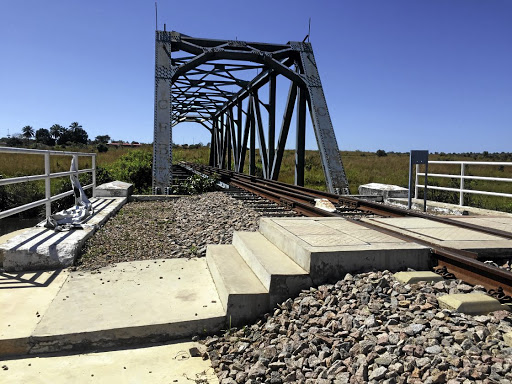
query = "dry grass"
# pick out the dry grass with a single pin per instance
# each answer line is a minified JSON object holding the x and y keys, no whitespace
{"x":15,"y":164}
{"x":360,"y":167}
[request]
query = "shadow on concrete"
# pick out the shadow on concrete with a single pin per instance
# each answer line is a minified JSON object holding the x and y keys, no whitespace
{"x":18,"y":280}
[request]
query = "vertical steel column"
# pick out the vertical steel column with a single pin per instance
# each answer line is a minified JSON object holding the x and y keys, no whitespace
{"x":228,"y":137}
{"x":261,"y":137}
{"x":336,"y":179}
{"x":300,"y":149}
{"x":223,"y":141}
{"x":162,"y":141}
{"x":212,"y":146}
{"x":252,"y":140}
{"x":285,"y":127}
{"x":271,"y":123}
{"x":239,"y":137}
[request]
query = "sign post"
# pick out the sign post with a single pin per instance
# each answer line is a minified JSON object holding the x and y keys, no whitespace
{"x":418,"y":157}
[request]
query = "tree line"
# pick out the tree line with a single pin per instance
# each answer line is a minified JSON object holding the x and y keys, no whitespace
{"x":73,"y":135}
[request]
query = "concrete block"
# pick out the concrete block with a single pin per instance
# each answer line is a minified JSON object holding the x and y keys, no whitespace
{"x":471,"y":303}
{"x":507,"y":338}
{"x":413,"y":277}
{"x":243,"y":296}
{"x":41,"y":248}
{"x":114,"y":189}
{"x":384,"y":190}
{"x":281,"y":276}
{"x":344,"y":247}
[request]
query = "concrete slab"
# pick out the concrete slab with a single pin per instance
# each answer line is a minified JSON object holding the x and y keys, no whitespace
{"x":172,"y":363}
{"x":507,"y":338}
{"x":445,"y":208}
{"x":42,"y":248}
{"x":471,"y":303}
{"x":134,"y":302}
{"x":24,"y":299}
{"x":496,"y":222}
{"x":280,"y":275}
{"x":114,"y":189}
{"x":345,"y":247}
{"x":450,"y":235}
{"x":413,"y":277}
{"x":243,"y":296}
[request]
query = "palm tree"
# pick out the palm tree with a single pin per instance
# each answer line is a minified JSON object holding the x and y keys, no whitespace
{"x":56,"y":131}
{"x":28,"y":131}
{"x":74,"y":126}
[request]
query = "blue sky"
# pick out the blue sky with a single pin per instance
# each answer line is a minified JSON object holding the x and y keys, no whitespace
{"x":397,"y":74}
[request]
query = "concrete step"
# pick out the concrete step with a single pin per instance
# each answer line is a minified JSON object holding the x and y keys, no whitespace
{"x":243,"y":296}
{"x":281,"y":276}
{"x":328,"y":248}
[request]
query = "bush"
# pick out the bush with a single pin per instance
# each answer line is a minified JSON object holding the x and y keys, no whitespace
{"x":381,"y":153}
{"x":101,"y":148}
{"x":195,"y":184}
{"x":103,"y":175}
{"x":135,"y":167}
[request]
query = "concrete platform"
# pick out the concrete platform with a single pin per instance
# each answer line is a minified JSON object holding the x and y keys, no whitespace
{"x":41,"y":248}
{"x":328,"y":248}
{"x":172,"y":363}
{"x":471,"y":303}
{"x":131,"y":303}
{"x":452,"y":236}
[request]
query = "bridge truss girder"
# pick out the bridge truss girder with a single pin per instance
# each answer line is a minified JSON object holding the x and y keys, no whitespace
{"x":212,"y":82}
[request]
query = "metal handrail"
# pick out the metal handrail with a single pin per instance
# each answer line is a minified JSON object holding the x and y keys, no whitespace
{"x":462,"y":177}
{"x":47,"y":176}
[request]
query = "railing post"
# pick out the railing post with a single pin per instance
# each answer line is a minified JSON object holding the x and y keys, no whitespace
{"x":93,"y":166}
{"x":47,"y":184}
{"x":416,"y":189}
{"x":461,"y":196}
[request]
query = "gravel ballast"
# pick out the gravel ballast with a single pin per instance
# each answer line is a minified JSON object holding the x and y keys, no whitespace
{"x":367,"y":328}
{"x":167,"y":229}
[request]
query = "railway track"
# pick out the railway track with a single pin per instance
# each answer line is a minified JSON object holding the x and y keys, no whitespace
{"x":465,"y":265}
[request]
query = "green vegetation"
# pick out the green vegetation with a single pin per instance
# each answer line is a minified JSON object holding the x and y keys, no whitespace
{"x":195,"y":184}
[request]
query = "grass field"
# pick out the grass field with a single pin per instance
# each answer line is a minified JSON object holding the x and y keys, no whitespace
{"x":360,"y":167}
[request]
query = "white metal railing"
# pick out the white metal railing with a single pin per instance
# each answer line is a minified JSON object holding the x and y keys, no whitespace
{"x":462,"y":176}
{"x":46,"y":177}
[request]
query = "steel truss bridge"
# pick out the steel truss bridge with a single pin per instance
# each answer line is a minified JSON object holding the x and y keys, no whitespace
{"x":219,"y":84}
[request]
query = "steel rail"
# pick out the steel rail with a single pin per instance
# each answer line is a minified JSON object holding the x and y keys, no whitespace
{"x":464,"y":264}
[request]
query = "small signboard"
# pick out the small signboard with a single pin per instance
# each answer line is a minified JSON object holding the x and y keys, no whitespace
{"x":418,"y":157}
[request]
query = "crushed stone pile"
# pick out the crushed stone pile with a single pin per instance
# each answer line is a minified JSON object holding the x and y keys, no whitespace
{"x":367,"y":328}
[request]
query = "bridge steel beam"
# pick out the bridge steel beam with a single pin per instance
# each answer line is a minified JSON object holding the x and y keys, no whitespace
{"x":217,"y":83}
